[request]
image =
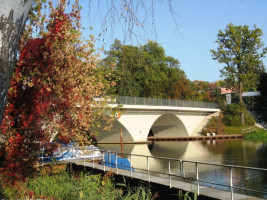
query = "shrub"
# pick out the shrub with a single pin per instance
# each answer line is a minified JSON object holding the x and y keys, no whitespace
{"x":215,"y":125}
{"x":232,"y":116}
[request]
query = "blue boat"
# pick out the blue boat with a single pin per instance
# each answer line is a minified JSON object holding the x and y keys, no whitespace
{"x":123,"y":163}
{"x":72,"y":151}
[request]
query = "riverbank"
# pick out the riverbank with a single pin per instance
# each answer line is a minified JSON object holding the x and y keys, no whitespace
{"x":59,"y":182}
{"x":256,"y":135}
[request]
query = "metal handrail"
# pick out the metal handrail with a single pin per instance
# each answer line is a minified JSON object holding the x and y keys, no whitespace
{"x":125,"y":100}
{"x":231,"y":186}
{"x":181,"y":174}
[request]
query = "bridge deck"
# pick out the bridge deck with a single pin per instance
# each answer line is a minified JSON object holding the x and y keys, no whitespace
{"x":203,"y":191}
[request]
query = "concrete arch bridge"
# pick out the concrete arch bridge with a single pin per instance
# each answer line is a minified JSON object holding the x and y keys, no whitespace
{"x":142,"y":117}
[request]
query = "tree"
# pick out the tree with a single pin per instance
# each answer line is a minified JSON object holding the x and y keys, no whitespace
{"x":52,"y":92}
{"x":182,"y":89}
{"x":14,"y":14}
{"x":241,"y":50}
{"x":143,"y":71}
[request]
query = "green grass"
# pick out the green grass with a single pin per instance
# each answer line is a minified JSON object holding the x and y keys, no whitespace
{"x":64,"y":186}
{"x":257,"y":135}
{"x":233,"y":129}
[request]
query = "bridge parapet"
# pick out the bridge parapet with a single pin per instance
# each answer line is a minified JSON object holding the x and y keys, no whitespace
{"x":124,"y":100}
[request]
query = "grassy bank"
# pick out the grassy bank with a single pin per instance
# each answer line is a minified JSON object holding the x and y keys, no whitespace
{"x":257,"y":135}
{"x":233,"y":129}
{"x":64,"y":186}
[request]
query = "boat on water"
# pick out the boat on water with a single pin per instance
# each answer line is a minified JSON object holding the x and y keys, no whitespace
{"x":73,"y":151}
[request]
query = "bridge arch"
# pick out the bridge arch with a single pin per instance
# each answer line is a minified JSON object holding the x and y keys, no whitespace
{"x":168,"y":125}
{"x":137,"y":124}
{"x":113,"y":135}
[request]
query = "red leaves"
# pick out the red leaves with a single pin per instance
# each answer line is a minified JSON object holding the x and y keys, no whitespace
{"x":51,"y":92}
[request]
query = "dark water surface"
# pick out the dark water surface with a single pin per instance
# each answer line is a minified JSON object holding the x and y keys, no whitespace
{"x":229,"y":152}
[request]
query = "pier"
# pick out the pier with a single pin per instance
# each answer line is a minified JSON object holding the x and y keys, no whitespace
{"x":187,"y":178}
{"x":192,"y":138}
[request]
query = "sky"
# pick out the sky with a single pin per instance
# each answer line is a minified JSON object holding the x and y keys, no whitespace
{"x":199,"y":22}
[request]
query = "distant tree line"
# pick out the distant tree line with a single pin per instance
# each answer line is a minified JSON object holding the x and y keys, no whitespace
{"x":146,"y":71}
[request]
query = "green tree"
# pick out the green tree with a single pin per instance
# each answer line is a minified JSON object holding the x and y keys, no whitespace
{"x":241,"y":50}
{"x":143,"y":71}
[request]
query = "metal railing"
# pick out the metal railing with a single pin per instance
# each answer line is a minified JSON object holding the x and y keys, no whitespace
{"x":193,"y":178}
{"x":124,"y":100}
{"x":191,"y":174}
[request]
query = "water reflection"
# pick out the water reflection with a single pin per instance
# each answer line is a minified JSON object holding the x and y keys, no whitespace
{"x":230,"y":152}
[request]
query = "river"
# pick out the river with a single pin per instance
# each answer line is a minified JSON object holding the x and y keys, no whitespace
{"x":230,"y":152}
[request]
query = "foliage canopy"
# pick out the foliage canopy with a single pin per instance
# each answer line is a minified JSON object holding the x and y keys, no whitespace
{"x":241,"y":50}
{"x":52,"y":91}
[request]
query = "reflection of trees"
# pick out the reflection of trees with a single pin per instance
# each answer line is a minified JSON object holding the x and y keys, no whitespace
{"x":241,"y":153}
{"x":234,"y":152}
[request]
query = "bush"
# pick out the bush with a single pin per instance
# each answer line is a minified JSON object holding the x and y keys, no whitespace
{"x":215,"y":125}
{"x":232,"y":116}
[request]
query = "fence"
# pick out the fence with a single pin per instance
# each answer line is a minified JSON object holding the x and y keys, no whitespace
{"x":188,"y":171}
{"x":162,"y":102}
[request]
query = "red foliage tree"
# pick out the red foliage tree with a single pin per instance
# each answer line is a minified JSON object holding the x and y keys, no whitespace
{"x":51,"y":92}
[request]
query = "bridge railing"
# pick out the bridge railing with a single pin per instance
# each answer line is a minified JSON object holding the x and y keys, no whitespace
{"x":220,"y":176}
{"x":191,"y":171}
{"x":124,"y":100}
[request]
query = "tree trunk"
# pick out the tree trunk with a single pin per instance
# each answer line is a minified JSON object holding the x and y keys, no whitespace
{"x":12,"y":21}
{"x":241,"y":103}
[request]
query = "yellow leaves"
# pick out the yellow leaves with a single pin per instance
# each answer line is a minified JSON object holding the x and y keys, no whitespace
{"x":30,"y":84}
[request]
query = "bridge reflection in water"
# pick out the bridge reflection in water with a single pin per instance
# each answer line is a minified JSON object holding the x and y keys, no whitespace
{"x":178,"y":150}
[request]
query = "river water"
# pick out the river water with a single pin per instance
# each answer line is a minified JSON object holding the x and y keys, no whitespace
{"x":229,"y":152}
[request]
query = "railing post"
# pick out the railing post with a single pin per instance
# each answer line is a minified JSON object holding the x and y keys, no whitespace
{"x":104,"y":162}
{"x":131,"y":166}
{"x":83,"y":161}
{"x":169,"y":169}
{"x":93,"y":160}
{"x":231,"y":182}
{"x":197,"y":178}
{"x":116,"y":156}
{"x":43,"y":155}
{"x":148,"y":169}
{"x":181,"y":169}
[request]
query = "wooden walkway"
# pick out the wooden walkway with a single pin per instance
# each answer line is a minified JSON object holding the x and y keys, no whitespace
{"x":216,"y":137}
{"x":182,"y":185}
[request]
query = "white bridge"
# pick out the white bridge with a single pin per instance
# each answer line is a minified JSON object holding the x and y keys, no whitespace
{"x":142,"y":117}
